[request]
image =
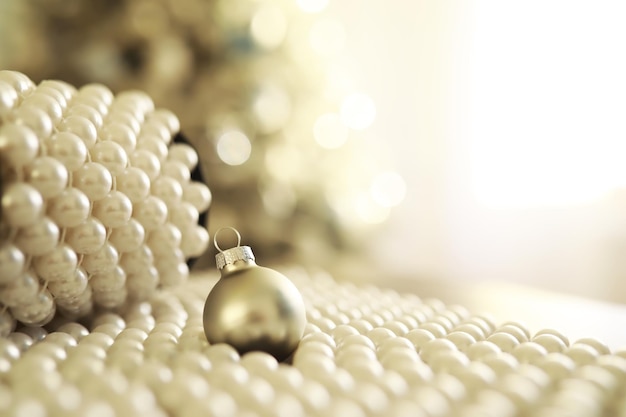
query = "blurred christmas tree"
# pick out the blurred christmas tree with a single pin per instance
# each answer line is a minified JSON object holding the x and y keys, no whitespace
{"x":262,"y":91}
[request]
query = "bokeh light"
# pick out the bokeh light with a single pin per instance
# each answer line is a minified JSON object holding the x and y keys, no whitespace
{"x":388,"y":189}
{"x":269,"y":26}
{"x":271,"y":108}
{"x":329,"y":131}
{"x":233,"y":147}
{"x":328,"y":37}
{"x":312,"y":6}
{"x":369,"y":211}
{"x":358,"y":111}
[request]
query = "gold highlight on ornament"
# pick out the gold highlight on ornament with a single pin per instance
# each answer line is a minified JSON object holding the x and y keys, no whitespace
{"x":251,"y":307}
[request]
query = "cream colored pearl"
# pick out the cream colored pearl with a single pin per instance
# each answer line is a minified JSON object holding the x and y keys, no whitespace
{"x":68,"y":148}
{"x":38,"y":238}
{"x":70,"y":208}
{"x":94,"y":180}
{"x":18,"y":145}
{"x":81,"y":127}
{"x":12,"y":262}
{"x":22,"y":205}
{"x":34,"y":119}
{"x":48,"y":176}
{"x":111,"y":155}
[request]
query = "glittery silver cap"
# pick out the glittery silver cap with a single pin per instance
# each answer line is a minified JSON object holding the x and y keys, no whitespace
{"x":230,"y":256}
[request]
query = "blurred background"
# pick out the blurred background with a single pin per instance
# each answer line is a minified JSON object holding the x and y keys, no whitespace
{"x":455,"y":142}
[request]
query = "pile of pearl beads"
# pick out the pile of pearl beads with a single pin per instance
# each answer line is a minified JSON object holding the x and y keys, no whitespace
{"x":97,"y":205}
{"x":367,"y":351}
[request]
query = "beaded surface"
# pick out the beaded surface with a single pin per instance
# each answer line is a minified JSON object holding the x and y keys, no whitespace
{"x":98,"y":208}
{"x":367,"y":351}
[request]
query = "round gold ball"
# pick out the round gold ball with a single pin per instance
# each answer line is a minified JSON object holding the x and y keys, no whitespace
{"x":255,"y":308}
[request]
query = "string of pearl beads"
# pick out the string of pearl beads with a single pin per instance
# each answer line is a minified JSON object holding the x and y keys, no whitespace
{"x":98,"y":207}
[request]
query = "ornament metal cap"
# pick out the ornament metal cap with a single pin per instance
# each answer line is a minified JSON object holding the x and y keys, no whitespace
{"x":232,"y":255}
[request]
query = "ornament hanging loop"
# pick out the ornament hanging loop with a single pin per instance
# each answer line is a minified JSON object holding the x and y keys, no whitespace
{"x":222,"y":229}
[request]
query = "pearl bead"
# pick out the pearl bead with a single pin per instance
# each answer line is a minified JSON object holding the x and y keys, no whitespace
{"x":599,"y":346}
{"x":20,"y":291}
{"x":52,"y":93}
{"x":582,"y":354}
{"x":504,"y":341}
{"x":11,"y":263}
{"x":21,"y":340}
{"x":81,"y":127}
{"x":461,"y":340}
{"x":94,"y":180}
{"x":8,"y":98}
{"x":114,"y":210}
{"x":183,"y":215}
{"x":167,"y":189}
{"x":183,"y":153}
{"x":69,"y":149}
{"x":37,"y":312}
{"x":66,"y":89}
{"x":137,"y":260}
{"x":111,"y":155}
{"x":22,"y":205}
{"x":173,"y":270}
{"x":419,"y":337}
{"x":154,"y":128}
{"x":20,"y":82}
{"x":121,"y":134}
{"x":176,"y":170}
{"x":39,"y":238}
{"x":58,"y":263}
{"x":514,"y":331}
{"x":87,"y":112}
{"x":99,"y":91}
{"x":91,"y":102}
{"x":47,"y":175}
{"x":134,"y":99}
{"x":76,"y":330}
{"x":529,"y":352}
{"x":70,"y":208}
{"x":87,"y":237}
{"x":164,"y":239}
{"x":153,"y":145}
{"x":147,"y":162}
{"x":151,"y":213}
{"x":109,"y":281}
{"x":18,"y":145}
{"x":550,"y":342}
{"x":129,"y":237}
{"x":34,"y":119}
{"x":195,"y":242}
{"x":135,"y":183}
{"x":198,"y":195}
{"x":69,"y":286}
{"x":168,"y":118}
{"x":142,"y":284}
{"x":127,"y":119}
{"x":45,"y":103}
{"x":102,"y":261}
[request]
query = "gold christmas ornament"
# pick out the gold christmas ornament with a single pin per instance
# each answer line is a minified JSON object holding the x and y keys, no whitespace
{"x":252,"y":307}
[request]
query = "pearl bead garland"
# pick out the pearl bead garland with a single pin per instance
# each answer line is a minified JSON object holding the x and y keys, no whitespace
{"x":85,"y":202}
{"x":153,"y":359}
